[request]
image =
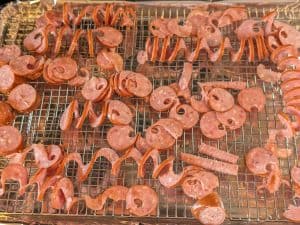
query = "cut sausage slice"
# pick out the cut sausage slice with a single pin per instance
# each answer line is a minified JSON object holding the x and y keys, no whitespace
{"x":267,"y":75}
{"x":11,"y":140}
{"x":138,"y":84}
{"x":200,"y":184}
{"x":157,"y":137}
{"x":27,"y":66}
{"x":144,"y":194}
{"x":14,"y":172}
{"x":9,"y":52}
{"x":209,"y":164}
{"x":217,"y":153}
{"x":252,"y":98}
{"x":23,"y":98}
{"x":162,"y":98}
{"x":179,"y":30}
{"x":234,"y":118}
{"x":119,"y":113}
{"x":110,"y":60}
{"x":109,"y":36}
{"x":62,"y":68}
{"x":211,"y":127}
{"x":121,"y":138}
{"x":94,"y":89}
{"x":6,"y":114}
{"x":7,"y":79}
{"x":220,"y":100}
{"x":209,"y":210}
{"x":258,"y":161}
{"x":116,"y":193}
{"x":185,"y":114}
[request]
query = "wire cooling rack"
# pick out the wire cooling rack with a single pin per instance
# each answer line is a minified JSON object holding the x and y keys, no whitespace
{"x":239,"y":195}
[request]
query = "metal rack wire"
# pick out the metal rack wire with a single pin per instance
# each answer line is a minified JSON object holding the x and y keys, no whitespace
{"x":241,"y":200}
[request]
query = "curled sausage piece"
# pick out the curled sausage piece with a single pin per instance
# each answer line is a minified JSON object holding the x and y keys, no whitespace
{"x":186,"y":76}
{"x":62,"y":68}
{"x":197,"y":18}
{"x":11,"y":140}
{"x":290,"y":75}
{"x":144,"y":194}
{"x":295,"y":174}
{"x":217,"y":153}
{"x":47,"y":157}
{"x":131,"y":153}
{"x":150,"y":153}
{"x":14,"y":172}
{"x":109,"y":36}
{"x":116,"y":193}
{"x":291,"y":95}
{"x":94,"y":119}
{"x":37,"y":40}
{"x":157,"y":137}
{"x":185,"y":114}
{"x":67,"y":117}
{"x":252,"y":98}
{"x":211,"y":127}
{"x":267,"y":75}
{"x":259,"y":160}
{"x":63,"y":194}
{"x":289,"y":85}
{"x":6,"y":114}
{"x":110,"y":60}
{"x":27,"y":66}
{"x":9,"y":52}
{"x":82,"y":76}
{"x":166,"y":175}
{"x":23,"y":98}
{"x":210,"y":164}
{"x":179,"y":30}
{"x":288,"y":131}
{"x":283,"y":52}
{"x":119,"y":113}
{"x":289,"y":63}
{"x":138,"y":84}
{"x":199,"y":184}
{"x":212,"y":35}
{"x":7,"y":79}
{"x":234,"y":118}
{"x":94,"y":89}
{"x":231,"y":15}
{"x":292,"y":213}
{"x":220,"y":100}
{"x":84,"y":170}
{"x":162,"y":98}
{"x":199,"y":105}
{"x":121,"y":138}
{"x":173,"y":127}
{"x":159,"y":28}
{"x":209,"y":210}
{"x":249,"y":29}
